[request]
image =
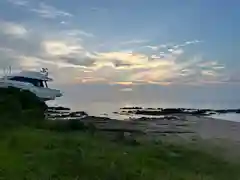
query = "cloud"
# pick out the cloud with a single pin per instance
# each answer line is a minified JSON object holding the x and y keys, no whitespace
{"x":193,"y":42}
{"x":6,"y":50}
{"x":126,"y":90}
{"x":61,"y":48}
{"x":218,"y":67}
{"x":42,"y":9}
{"x":77,"y":32}
{"x":68,"y":51}
{"x":124,"y":83}
{"x":12,"y":29}
{"x":187,"y":43}
{"x":154,"y":48}
{"x":92,"y":80}
{"x":128,"y":60}
{"x":73,"y":57}
{"x":50,"y":12}
{"x":177,"y":51}
{"x":19,"y":2}
{"x":208,"y":72}
{"x":208,"y":63}
{"x":63,"y":22}
{"x":134,"y":41}
{"x":70,"y":61}
{"x":157,"y":47}
{"x":125,"y":57}
{"x":30,"y":62}
{"x":171,"y":46}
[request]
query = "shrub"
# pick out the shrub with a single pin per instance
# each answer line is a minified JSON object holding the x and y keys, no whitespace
{"x":64,"y":125}
{"x":20,"y":107}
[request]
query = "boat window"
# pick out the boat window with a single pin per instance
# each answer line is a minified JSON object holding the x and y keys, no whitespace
{"x":45,"y":84}
{"x":35,"y":82}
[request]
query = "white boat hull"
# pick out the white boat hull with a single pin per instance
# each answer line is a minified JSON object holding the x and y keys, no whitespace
{"x":42,"y":92}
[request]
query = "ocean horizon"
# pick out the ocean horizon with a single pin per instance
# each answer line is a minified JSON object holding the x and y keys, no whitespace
{"x":107,"y":109}
{"x":98,"y":100}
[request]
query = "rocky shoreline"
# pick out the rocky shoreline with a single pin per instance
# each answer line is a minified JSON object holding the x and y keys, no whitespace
{"x":184,"y":122}
{"x":64,"y":112}
{"x":169,"y":111}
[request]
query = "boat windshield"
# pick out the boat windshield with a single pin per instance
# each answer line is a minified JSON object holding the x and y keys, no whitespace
{"x":35,"y":82}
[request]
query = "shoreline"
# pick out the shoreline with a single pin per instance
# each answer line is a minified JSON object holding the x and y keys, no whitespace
{"x":202,"y":131}
{"x":206,"y":127}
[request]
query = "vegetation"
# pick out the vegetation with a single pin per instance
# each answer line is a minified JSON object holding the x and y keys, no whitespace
{"x":16,"y":107}
{"x":52,"y":150}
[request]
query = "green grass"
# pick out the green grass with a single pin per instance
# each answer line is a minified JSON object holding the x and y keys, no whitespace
{"x":32,"y":148}
{"x":28,"y":153}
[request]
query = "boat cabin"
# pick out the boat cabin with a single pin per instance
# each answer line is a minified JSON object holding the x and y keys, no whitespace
{"x":35,"y":82}
{"x":38,"y":79}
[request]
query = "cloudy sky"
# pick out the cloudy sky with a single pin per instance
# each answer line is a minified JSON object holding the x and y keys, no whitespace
{"x":127,"y":47}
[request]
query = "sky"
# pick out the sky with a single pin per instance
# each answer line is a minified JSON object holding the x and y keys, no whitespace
{"x":128,"y":49}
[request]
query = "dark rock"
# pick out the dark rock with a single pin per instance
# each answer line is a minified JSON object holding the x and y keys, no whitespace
{"x":131,"y":108}
{"x":169,"y":111}
{"x":59,"y":108}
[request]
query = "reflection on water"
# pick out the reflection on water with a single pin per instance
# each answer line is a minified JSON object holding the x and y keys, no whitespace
{"x":228,"y":116}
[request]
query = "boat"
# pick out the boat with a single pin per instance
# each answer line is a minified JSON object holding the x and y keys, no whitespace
{"x":33,"y":81}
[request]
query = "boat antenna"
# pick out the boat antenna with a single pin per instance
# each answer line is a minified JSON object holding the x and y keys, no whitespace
{"x":45,"y":71}
{"x":10,"y":70}
{"x":4,"y":73}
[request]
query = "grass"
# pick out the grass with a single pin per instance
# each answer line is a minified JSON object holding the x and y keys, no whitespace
{"x":28,"y":153}
{"x":32,"y":148}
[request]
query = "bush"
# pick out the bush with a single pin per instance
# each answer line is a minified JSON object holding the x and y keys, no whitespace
{"x":20,"y":107}
{"x":64,"y":125}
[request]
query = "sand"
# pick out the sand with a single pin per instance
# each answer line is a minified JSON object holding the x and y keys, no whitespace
{"x":210,"y":128}
{"x":214,"y":135}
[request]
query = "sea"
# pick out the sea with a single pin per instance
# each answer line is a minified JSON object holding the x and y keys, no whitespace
{"x":110,"y":109}
{"x":102,"y":101}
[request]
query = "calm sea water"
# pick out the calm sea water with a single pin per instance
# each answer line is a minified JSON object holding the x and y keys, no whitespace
{"x":102,"y":100}
{"x":229,"y":117}
{"x":107,"y":109}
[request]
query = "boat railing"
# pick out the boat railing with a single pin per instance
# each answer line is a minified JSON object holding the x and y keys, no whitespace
{"x":7,"y":72}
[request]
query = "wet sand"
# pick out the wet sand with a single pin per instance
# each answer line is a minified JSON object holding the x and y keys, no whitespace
{"x":210,"y":128}
{"x":216,"y":136}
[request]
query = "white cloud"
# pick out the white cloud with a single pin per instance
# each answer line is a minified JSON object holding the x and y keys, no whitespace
{"x":12,"y":29}
{"x":63,"y":22}
{"x":170,"y":46}
{"x":77,"y":32}
{"x":187,"y":43}
{"x":177,"y":51}
{"x":208,"y":72}
{"x":30,"y":62}
{"x":58,"y":48}
{"x":134,"y":41}
{"x":208,"y":63}
{"x":50,"y":12}
{"x":61,"y":52}
{"x":19,"y":2}
{"x":218,"y":67}
{"x":126,"y":89}
{"x":192,"y":42}
{"x":155,"y":48}
{"x":155,"y":56}
{"x":6,"y":50}
{"x":42,"y":9}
